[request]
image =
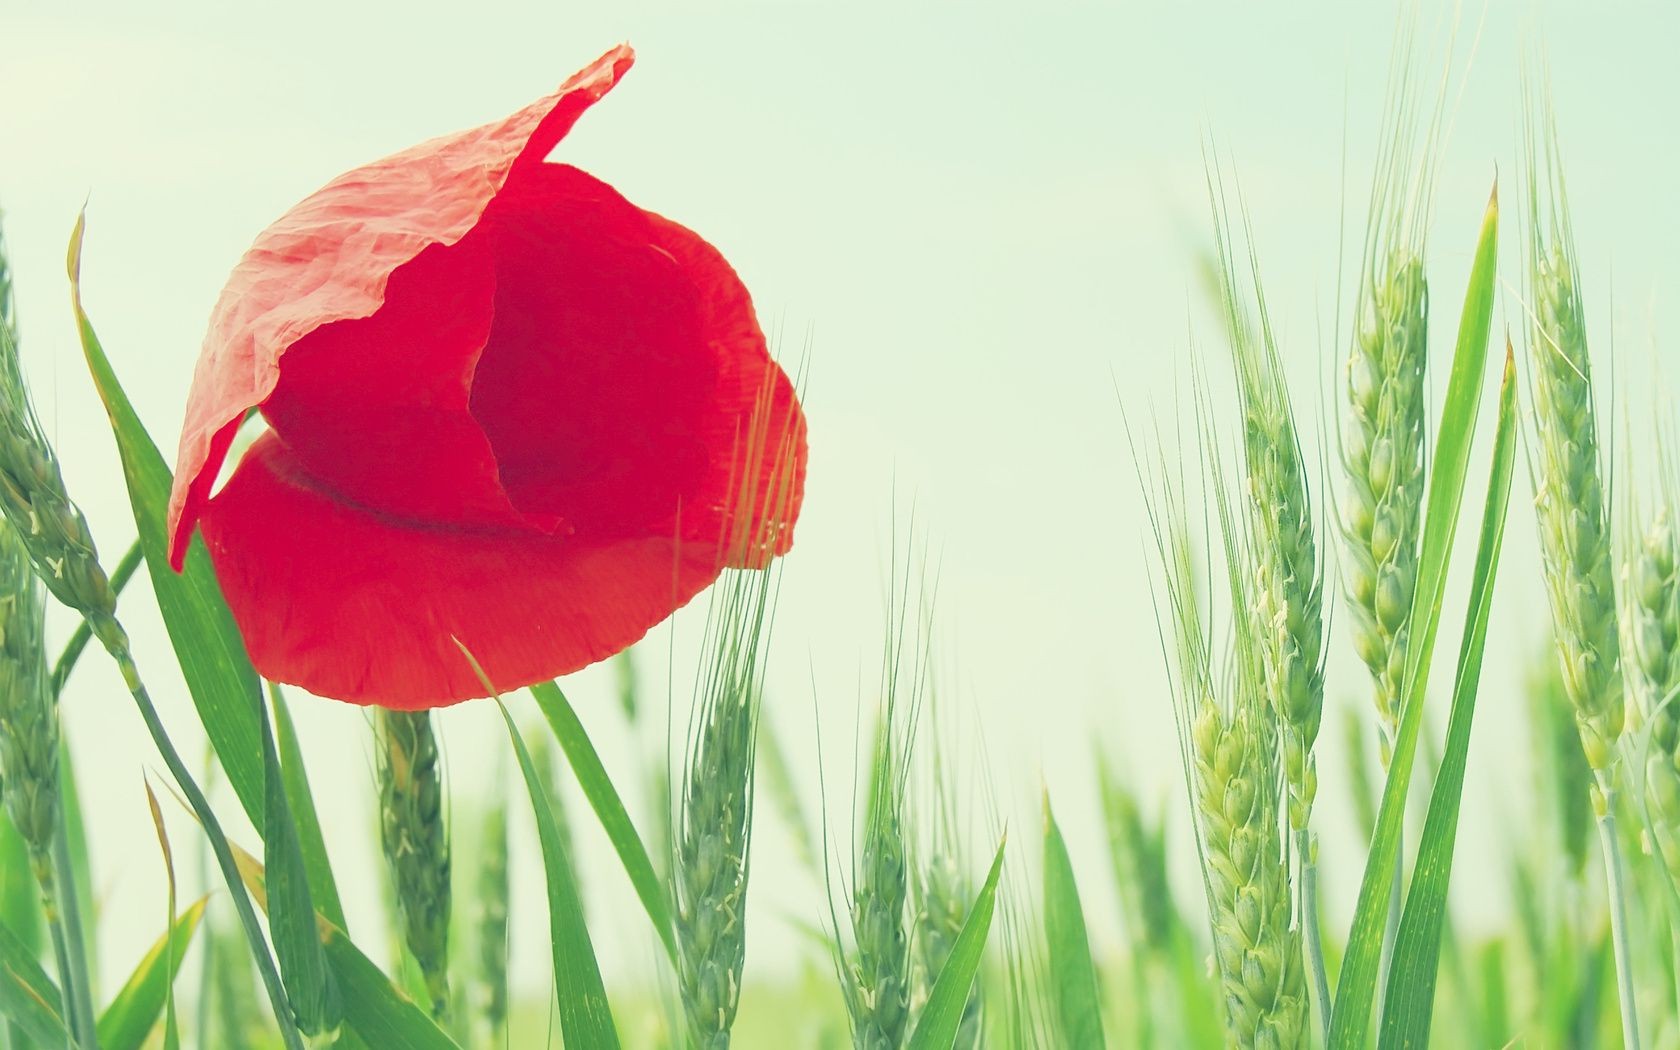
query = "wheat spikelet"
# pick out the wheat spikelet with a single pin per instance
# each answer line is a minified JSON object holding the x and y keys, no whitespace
{"x":1288,"y":575}
{"x":415,"y":841}
{"x":713,"y":829}
{"x":1228,"y":731}
{"x":1383,"y":462}
{"x":1653,"y":668}
{"x":1575,"y":538}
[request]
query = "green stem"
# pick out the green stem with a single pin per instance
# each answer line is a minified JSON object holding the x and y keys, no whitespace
{"x":131,"y":560}
{"x":115,"y":641}
{"x":67,"y":979}
{"x":1310,"y":936}
{"x":70,"y":917}
{"x":1615,"y":876}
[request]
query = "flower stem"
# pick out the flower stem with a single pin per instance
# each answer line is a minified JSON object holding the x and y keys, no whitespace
{"x":68,"y":928}
{"x":1615,"y":877}
{"x":115,"y":640}
{"x":67,"y":977}
{"x":1309,"y":927}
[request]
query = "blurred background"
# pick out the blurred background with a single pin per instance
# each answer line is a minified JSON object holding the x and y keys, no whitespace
{"x":983,"y":224}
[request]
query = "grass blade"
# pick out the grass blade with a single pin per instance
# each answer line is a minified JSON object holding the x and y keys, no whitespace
{"x":373,"y":1007}
{"x":937,"y":1027}
{"x":28,"y":997}
{"x":291,"y":911}
{"x":1411,"y":983}
{"x":1351,"y":1020}
{"x":133,"y":1012}
{"x":585,"y":1017}
{"x":323,"y":888}
{"x":1073,"y":975}
{"x":376,"y":1010}
{"x":207,"y":644}
{"x":608,"y":806}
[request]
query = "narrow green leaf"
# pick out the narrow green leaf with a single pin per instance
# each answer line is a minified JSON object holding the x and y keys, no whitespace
{"x":1351,"y":1017}
{"x":585,"y":1017}
{"x":376,"y":1011}
{"x":323,"y":887}
{"x":207,"y":644}
{"x":1073,"y":975}
{"x":81,"y":866}
{"x":28,"y":997}
{"x":937,"y":1027}
{"x":1409,"y":1006}
{"x":291,"y":911}
{"x":609,"y":808}
{"x":20,"y":896}
{"x":373,"y":1007}
{"x":133,"y":1012}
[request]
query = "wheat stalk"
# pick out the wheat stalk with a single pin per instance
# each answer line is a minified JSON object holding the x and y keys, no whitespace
{"x":713,"y":828}
{"x":1287,"y":628}
{"x":1228,"y":730}
{"x":415,"y":841}
{"x":494,"y":891}
{"x":1573,"y":511}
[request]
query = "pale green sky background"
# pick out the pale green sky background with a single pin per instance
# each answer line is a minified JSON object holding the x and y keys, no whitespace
{"x":984,"y":218}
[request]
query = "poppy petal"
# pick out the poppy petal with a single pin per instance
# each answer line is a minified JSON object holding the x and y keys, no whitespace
{"x":330,"y":257}
{"x":756,"y":433}
{"x":349,"y":604}
{"x":597,"y":380}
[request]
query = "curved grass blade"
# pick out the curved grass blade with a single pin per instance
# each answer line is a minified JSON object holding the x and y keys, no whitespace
{"x":1410,"y":998}
{"x":1351,"y":1017}
{"x":585,"y":1017}
{"x":608,"y":806}
{"x":28,"y":997}
{"x":375,"y":1010}
{"x":133,"y":1012}
{"x":937,"y":1028}
{"x":291,"y":910}
{"x":207,"y":645}
{"x":1073,"y":975}
{"x":323,"y":888}
{"x":373,"y":1007}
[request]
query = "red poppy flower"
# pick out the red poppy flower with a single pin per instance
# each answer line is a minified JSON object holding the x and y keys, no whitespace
{"x":509,"y":412}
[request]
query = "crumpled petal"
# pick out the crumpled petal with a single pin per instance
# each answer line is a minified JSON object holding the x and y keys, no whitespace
{"x":329,"y":258}
{"x":346,"y":603}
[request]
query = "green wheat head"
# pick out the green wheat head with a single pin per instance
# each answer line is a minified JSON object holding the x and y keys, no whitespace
{"x":1570,"y":497}
{"x":416,"y":841}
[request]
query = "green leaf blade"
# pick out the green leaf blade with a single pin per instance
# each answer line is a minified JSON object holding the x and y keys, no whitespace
{"x":323,"y":887}
{"x":585,"y":1016}
{"x":207,"y":643}
{"x":1073,"y":975}
{"x":28,"y":997}
{"x":1356,"y":990}
{"x":1411,"y":983}
{"x":310,"y":986}
{"x":134,"y":1011}
{"x":937,"y":1027}
{"x":597,"y":787}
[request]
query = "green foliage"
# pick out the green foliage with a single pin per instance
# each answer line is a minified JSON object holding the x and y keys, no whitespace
{"x":1351,"y":1019}
{"x":1073,"y":973}
{"x":1410,"y":1002}
{"x":585,"y":1017}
